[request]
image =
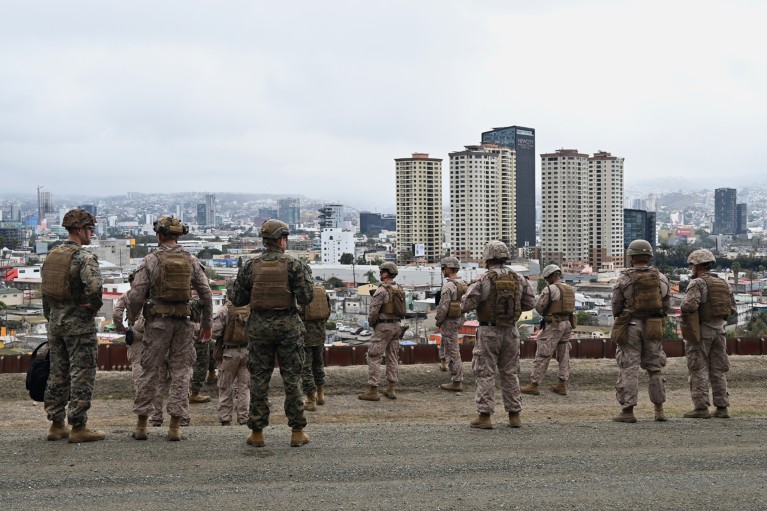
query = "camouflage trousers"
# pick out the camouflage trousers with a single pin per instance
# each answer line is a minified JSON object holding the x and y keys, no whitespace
{"x":313,"y":373}
{"x":234,"y":385}
{"x":166,"y":341}
{"x":385,"y":340}
{"x":134,"y":357}
{"x":202,"y":365}
{"x":261,"y":354}
{"x":449,"y":349}
{"x":73,"y":374}
{"x":552,"y":341}
{"x":497,"y":349}
{"x":708,"y":363}
{"x":636,"y":353}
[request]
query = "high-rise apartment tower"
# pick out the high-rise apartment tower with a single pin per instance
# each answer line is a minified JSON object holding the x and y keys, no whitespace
{"x":419,"y":208}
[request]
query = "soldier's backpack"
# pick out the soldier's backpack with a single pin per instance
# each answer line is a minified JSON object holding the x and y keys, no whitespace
{"x":235,"y":331}
{"x":318,"y":308}
{"x":37,"y":374}
{"x":56,"y":282}
{"x":396,"y":303}
{"x":174,"y":282}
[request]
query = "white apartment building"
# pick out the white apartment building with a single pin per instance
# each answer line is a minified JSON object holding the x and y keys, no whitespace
{"x":334,"y":243}
{"x":419,"y":208}
{"x":482,"y":199}
{"x":582,"y":208}
{"x":606,"y":236}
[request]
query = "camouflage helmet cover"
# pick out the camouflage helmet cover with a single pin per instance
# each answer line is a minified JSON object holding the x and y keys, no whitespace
{"x":550,"y":270}
{"x":170,"y":225}
{"x":390,"y":267}
{"x":274,"y":229}
{"x":76,"y":218}
{"x":450,"y":262}
{"x":496,"y":250}
{"x":701,"y":256}
{"x":639,"y":247}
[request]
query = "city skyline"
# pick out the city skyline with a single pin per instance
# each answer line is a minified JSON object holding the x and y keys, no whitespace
{"x":247,"y":96}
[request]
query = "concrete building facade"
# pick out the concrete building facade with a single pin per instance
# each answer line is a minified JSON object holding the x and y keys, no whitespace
{"x":419,"y":208}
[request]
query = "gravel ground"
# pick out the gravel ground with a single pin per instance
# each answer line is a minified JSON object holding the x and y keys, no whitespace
{"x":416,"y":452}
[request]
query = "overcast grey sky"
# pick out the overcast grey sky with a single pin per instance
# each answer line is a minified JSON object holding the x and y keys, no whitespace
{"x":319,"y":97}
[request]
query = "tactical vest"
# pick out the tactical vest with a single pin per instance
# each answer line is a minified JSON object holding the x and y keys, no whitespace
{"x":566,"y":303}
{"x":318,"y":308}
{"x":271,"y":288}
{"x":647,"y":299}
{"x":504,"y":302}
{"x":395,"y":307}
{"x":717,"y":305}
{"x":454,"y":309}
{"x":237,"y":319}
{"x":174,"y":281}
{"x":57,"y":281}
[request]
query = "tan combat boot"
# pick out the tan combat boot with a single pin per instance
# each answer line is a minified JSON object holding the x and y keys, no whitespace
{"x":371,"y":395}
{"x":389,"y":392}
{"x":174,"y":430}
{"x":58,"y":430}
{"x":310,"y":405}
{"x":482,"y":422}
{"x":140,"y":432}
{"x":212,"y":377}
{"x":698,"y":413}
{"x":256,"y":439}
{"x":80,"y":434}
{"x":531,"y":388}
{"x":455,"y":386}
{"x":720,"y":413}
{"x":298,"y":437}
{"x":514,"y":420}
{"x":320,"y":394}
{"x":196,"y":397}
{"x":559,"y":388}
{"x":660,"y":415}
{"x":443,"y":365}
{"x":626,"y":415}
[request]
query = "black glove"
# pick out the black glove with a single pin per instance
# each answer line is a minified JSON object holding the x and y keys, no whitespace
{"x":129,"y":337}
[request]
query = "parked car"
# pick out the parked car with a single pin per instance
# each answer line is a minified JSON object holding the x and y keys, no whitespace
{"x":366,"y":333}
{"x":356,"y":331}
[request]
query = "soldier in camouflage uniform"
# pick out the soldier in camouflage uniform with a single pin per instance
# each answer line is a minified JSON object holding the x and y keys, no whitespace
{"x":385,"y":320}
{"x":707,"y":361}
{"x":450,"y":319}
{"x":229,"y":329}
{"x":164,"y":280}
{"x":313,"y":375}
{"x":135,"y":348}
{"x":639,"y":303}
{"x":499,"y":296}
{"x":274,"y":284}
{"x":71,"y":285}
{"x":202,"y":349}
{"x":557,"y":305}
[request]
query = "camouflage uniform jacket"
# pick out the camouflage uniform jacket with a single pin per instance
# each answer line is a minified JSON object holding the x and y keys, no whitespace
{"x":68,"y":315}
{"x":479,"y":290}
{"x":299,"y":280}
{"x":448,"y":293}
{"x":549,"y":295}
{"x":697,"y":294}
{"x":623,"y":290}
{"x":148,"y":270}
{"x":220,"y":319}
{"x":379,"y":299}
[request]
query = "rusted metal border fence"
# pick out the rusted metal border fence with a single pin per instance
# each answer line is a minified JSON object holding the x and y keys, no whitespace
{"x":114,"y":357}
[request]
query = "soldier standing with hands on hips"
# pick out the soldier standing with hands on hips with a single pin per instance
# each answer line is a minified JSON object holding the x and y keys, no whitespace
{"x":162,"y":288}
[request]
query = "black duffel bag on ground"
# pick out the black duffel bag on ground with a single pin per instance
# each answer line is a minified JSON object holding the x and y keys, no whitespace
{"x":37,"y":374}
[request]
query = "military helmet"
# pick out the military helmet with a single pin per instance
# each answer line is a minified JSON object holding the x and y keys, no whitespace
{"x":496,"y":250}
{"x":550,"y":270}
{"x":76,"y":218}
{"x":450,"y":262}
{"x":170,"y":225}
{"x":639,"y":247}
{"x":390,"y":267}
{"x":701,"y":256}
{"x":274,"y":229}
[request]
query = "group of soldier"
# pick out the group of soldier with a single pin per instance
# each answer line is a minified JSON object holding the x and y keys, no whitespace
{"x":275,"y":312}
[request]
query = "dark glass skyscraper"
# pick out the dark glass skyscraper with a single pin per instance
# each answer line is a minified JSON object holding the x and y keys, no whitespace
{"x":638,"y":224}
{"x":724,"y":211}
{"x":741,"y":218}
{"x":522,"y":140}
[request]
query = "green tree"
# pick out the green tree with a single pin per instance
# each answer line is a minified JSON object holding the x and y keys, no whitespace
{"x":334,"y":282}
{"x":208,"y":253}
{"x":669,"y":328}
{"x":346,"y":258}
{"x":371,"y":275}
{"x":239,"y":262}
{"x":541,"y":284}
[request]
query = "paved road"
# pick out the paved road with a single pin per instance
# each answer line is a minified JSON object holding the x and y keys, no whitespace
{"x":579,"y":465}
